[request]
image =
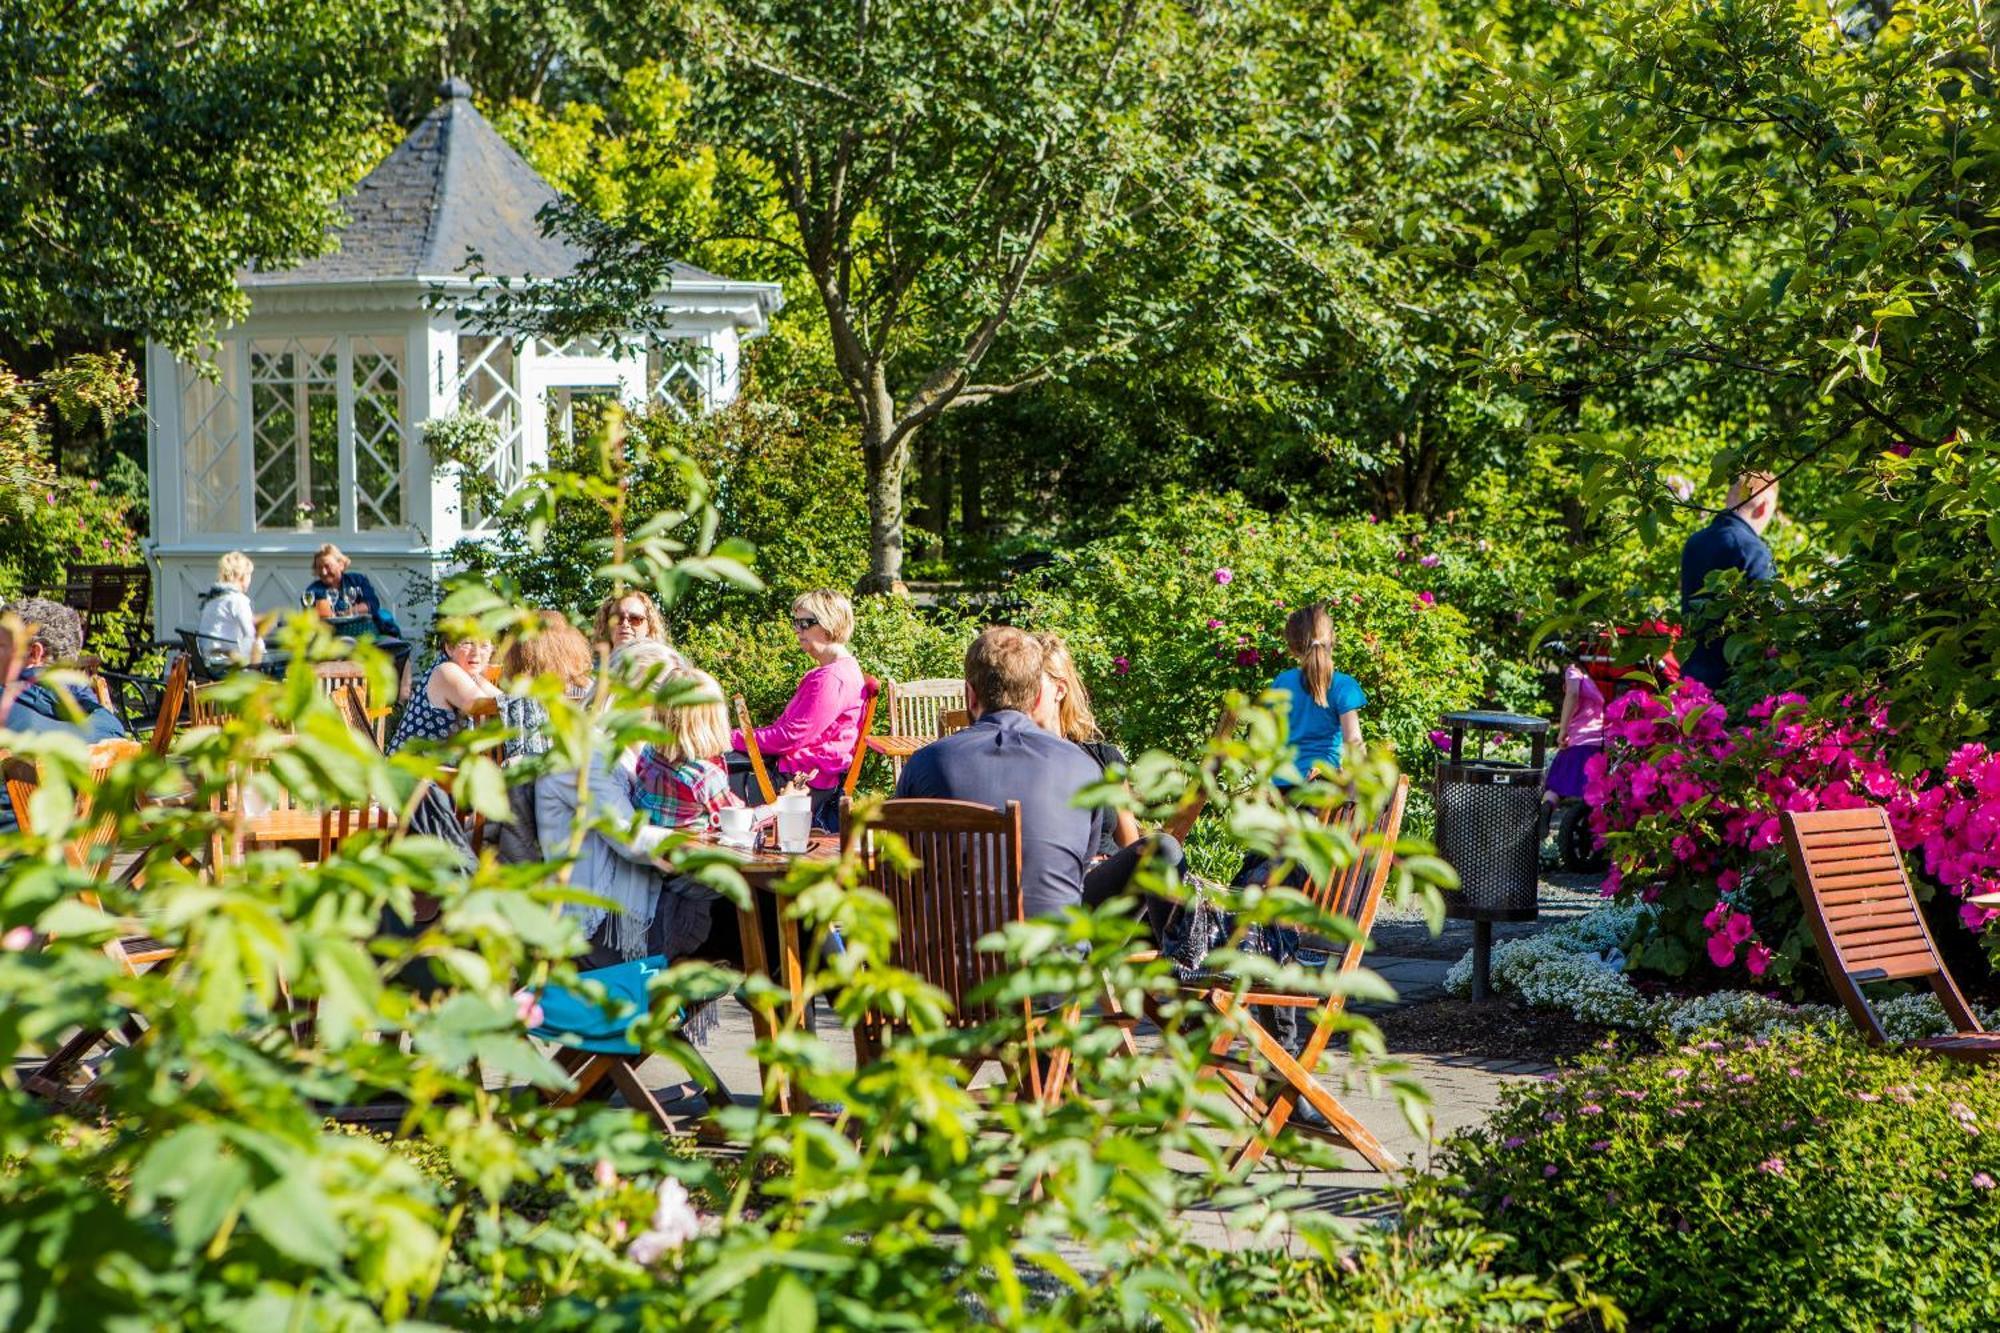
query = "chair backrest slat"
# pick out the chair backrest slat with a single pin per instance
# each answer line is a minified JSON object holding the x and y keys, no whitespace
{"x":1856,"y":893}
{"x":871,"y":693}
{"x":1355,"y":891}
{"x":917,"y":707}
{"x":966,"y":885}
{"x":751,"y":748}
{"x":173,"y":695}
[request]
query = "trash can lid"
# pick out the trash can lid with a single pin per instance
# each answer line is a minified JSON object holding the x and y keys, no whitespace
{"x":1480,"y":720}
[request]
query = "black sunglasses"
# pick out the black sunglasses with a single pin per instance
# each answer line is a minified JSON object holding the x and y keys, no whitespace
{"x":804,"y":623}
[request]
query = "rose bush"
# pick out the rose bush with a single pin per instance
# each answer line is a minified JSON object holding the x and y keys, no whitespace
{"x":1688,"y":804}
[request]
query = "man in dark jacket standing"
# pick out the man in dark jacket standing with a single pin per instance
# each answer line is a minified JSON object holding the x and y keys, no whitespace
{"x":1734,"y":540}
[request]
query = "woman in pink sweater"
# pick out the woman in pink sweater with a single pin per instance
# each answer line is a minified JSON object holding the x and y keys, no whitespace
{"x":814,"y":737}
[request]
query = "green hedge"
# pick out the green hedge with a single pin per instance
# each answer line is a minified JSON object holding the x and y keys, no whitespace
{"x":1801,"y":1183}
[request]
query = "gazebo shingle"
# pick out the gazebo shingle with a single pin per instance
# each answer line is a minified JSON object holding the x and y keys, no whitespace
{"x":453,"y":189}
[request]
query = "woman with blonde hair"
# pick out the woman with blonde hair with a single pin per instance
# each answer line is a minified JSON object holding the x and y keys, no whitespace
{"x":814,"y":737}
{"x":228,"y":624}
{"x":681,"y":782}
{"x":1065,"y":710}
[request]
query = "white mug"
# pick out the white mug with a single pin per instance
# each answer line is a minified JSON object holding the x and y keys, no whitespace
{"x":735,"y":822}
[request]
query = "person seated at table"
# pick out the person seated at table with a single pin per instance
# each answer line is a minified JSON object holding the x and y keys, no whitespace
{"x":1121,"y":847}
{"x":814,"y":737}
{"x":630,"y":617}
{"x":338,"y":592}
{"x":54,"y":641}
{"x":227,"y":627}
{"x":1003,"y":756}
{"x":652,"y":911}
{"x":441,"y":703}
{"x":681,"y":782}
{"x":554,"y":648}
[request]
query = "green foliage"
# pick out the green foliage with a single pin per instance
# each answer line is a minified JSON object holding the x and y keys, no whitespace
{"x":1802,"y":1183}
{"x":1773,"y":214}
{"x":151,"y":152}
{"x":779,"y":479}
{"x":1136,"y":609}
{"x":58,"y":521}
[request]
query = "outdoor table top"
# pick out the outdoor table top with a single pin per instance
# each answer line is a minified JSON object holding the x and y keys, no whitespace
{"x":297,"y":825}
{"x":898,"y":747}
{"x":764,"y":867}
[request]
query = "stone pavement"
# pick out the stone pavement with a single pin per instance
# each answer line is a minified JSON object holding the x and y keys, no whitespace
{"x":1463,"y":1088}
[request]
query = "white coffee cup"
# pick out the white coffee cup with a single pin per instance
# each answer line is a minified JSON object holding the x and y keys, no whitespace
{"x":736,"y":821}
{"x":794,"y":821}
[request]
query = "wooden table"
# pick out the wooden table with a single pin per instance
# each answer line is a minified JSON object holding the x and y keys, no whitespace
{"x":762,"y":870}
{"x":898,"y":748}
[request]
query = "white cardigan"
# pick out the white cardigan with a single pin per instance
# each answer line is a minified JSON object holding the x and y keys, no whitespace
{"x":228,"y":624}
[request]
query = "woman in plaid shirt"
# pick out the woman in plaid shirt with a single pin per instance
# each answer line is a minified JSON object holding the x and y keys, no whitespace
{"x":681,"y":783}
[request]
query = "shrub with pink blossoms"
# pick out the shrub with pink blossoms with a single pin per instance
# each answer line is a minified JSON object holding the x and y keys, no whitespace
{"x":1687,"y":805}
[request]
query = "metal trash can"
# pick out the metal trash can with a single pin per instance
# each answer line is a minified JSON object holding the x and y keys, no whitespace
{"x":1489,"y":826}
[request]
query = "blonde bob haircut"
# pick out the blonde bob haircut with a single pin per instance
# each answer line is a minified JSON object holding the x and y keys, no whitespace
{"x":697,"y":717}
{"x":831,"y":609}
{"x":235,"y":568}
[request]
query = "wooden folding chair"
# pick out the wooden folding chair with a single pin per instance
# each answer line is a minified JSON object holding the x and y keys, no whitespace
{"x":588,"y":1066}
{"x":346,"y":684}
{"x":966,"y":885}
{"x":1355,"y":893}
{"x":88,"y":850}
{"x":173,"y":697}
{"x":1181,"y":822}
{"x":750,"y":748}
{"x":918,"y":709}
{"x":871,"y":690}
{"x":1857,"y":899}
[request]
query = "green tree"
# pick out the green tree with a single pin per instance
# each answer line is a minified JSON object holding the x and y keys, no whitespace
{"x":150,"y":150}
{"x":1759,"y":203}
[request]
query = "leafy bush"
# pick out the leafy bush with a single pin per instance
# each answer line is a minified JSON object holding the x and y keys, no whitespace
{"x":58,"y":521}
{"x":1188,"y":602}
{"x":1801,"y":1183}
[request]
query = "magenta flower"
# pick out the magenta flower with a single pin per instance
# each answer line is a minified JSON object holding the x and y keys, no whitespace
{"x":1549,"y":1171}
{"x":1441,"y":739}
{"x":1373,"y":519}
{"x":1758,"y":960}
{"x":1430,"y":561}
{"x":1513,"y":1141}
{"x":1120,"y":665}
{"x":1213,"y":623}
{"x":1427,"y":598}
{"x":1225,"y":576}
{"x":1249,"y":657}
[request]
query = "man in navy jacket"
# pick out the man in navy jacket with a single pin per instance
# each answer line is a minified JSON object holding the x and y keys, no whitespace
{"x":1734,"y":540}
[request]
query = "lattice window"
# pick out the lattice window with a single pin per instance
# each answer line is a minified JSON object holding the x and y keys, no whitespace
{"x":212,"y":458}
{"x":295,"y":431}
{"x":378,"y":432}
{"x":679,"y":374}
{"x":489,"y":383}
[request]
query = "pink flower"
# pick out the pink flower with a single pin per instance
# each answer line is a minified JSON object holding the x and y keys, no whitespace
{"x":1373,"y":519}
{"x":17,"y":939}
{"x":1981,"y":1181}
{"x":605,"y":1174}
{"x":1427,"y":598}
{"x":527,"y":1008}
{"x":1429,"y":561}
{"x":1739,"y":929}
{"x":1758,"y":960}
{"x":1441,"y":739}
{"x":1249,"y":657}
{"x":1513,"y":1141}
{"x":1902,"y":450}
{"x":1601,"y":1145}
{"x":1772,"y":1166}
{"x":1727,"y":881}
{"x":1549,"y":1171}
{"x":1120,"y":665}
{"x":1225,"y":576}
{"x":675,"y":1223}
{"x":1213,"y":623}
{"x":1720,"y":951}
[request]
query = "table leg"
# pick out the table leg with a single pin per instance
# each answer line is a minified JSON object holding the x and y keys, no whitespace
{"x":756,"y":962}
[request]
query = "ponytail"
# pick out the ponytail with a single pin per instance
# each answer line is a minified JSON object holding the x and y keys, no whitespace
{"x":1309,"y":634}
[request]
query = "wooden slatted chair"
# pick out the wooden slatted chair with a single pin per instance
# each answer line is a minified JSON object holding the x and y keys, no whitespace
{"x":346,"y":684}
{"x":610,"y":1053}
{"x":953,"y":719}
{"x":89,"y":849}
{"x":917,"y":710}
{"x":1355,"y":892}
{"x":173,"y":698}
{"x":871,"y":692}
{"x":1856,"y":893}
{"x":966,"y":885}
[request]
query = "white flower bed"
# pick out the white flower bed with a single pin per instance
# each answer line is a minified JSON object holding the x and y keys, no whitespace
{"x":1579,"y":967}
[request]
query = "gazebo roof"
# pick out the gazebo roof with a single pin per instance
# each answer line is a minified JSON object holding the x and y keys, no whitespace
{"x":452,"y":190}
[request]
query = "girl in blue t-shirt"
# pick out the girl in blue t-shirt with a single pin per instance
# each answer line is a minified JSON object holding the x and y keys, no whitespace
{"x":1325,"y":704}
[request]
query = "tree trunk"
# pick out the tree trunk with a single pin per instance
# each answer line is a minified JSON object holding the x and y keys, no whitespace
{"x":971,"y":495}
{"x":885,"y":466}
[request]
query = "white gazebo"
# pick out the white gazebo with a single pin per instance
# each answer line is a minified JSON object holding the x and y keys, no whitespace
{"x":307,"y":426}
